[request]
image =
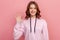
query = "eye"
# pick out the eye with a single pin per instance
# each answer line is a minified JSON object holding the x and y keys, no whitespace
{"x":30,"y":8}
{"x":34,"y":8}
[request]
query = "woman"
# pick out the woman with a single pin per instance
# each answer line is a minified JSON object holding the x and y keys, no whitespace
{"x":33,"y":27}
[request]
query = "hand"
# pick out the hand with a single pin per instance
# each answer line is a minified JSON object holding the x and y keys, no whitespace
{"x":18,"y":18}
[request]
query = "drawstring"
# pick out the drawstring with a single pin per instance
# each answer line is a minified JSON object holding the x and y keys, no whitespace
{"x":34,"y":25}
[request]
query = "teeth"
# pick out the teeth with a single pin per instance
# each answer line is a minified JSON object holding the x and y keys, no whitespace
{"x":32,"y":12}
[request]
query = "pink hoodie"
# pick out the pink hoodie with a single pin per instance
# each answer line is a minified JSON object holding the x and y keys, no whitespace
{"x":24,"y":28}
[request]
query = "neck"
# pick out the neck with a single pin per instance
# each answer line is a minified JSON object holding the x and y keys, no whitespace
{"x":33,"y":16}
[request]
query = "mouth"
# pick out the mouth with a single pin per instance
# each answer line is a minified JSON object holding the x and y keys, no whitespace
{"x":32,"y":12}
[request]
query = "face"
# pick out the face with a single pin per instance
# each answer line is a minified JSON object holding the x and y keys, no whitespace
{"x":33,"y":10}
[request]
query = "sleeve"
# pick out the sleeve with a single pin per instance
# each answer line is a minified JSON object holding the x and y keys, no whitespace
{"x":45,"y":31}
{"x":18,"y":30}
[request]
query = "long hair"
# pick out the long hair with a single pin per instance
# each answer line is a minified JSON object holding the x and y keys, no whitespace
{"x":28,"y":7}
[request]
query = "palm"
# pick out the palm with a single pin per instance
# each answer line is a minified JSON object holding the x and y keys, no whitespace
{"x":18,"y":18}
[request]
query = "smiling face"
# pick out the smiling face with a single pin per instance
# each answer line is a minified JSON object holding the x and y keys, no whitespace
{"x":32,"y":10}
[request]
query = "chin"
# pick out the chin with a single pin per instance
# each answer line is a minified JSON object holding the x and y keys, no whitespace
{"x":32,"y":15}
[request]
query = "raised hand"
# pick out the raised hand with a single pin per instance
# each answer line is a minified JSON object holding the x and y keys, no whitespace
{"x":18,"y":18}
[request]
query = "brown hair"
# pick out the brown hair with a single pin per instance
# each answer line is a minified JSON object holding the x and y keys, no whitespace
{"x":28,"y":7}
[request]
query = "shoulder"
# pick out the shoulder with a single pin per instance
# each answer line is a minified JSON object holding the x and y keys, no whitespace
{"x":42,"y":20}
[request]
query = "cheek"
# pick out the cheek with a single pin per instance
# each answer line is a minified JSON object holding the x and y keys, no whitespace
{"x":33,"y":10}
{"x":30,"y":10}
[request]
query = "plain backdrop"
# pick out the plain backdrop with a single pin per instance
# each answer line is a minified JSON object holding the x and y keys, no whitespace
{"x":50,"y":11}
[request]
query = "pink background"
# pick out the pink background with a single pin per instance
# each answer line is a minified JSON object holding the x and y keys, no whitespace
{"x":50,"y":11}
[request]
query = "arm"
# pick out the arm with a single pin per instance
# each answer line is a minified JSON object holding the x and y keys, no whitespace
{"x":18,"y":30}
{"x":45,"y":30}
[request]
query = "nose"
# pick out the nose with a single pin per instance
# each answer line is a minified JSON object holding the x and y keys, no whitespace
{"x":32,"y":11}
